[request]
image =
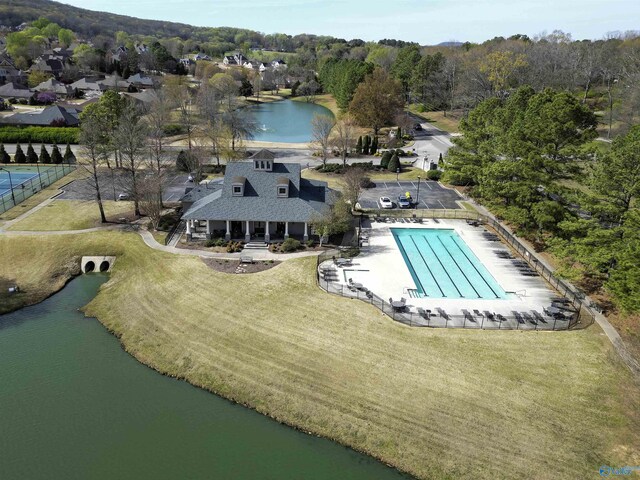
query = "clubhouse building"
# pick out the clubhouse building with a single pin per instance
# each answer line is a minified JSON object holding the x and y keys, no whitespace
{"x":258,"y":199}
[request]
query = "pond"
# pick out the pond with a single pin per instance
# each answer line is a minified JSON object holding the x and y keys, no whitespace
{"x":73,"y":405}
{"x":286,"y":121}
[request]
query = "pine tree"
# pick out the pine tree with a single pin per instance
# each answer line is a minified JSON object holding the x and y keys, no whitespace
{"x":4,"y":156}
{"x":31,"y":154}
{"x":399,"y":133}
{"x":374,"y":145}
{"x":384,"y":161}
{"x":365,"y":145}
{"x":359,"y":145}
{"x":440,"y":159}
{"x":56,"y":156}
{"x":394,"y":163}
{"x":69,"y":157}
{"x":19,"y":157}
{"x":44,"y":155}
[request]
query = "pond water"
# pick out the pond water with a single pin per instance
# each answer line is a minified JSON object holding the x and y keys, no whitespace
{"x":286,"y":121}
{"x":74,"y":405}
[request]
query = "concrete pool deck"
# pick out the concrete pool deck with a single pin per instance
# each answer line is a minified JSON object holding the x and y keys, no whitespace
{"x":381,"y":269}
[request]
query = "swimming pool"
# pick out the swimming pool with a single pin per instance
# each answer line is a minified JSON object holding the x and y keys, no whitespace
{"x":443,"y":266}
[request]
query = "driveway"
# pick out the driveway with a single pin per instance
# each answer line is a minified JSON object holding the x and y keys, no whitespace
{"x":432,"y":194}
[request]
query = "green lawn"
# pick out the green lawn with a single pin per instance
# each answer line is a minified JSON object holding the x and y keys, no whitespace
{"x":335,"y":180}
{"x":72,"y":215}
{"x":450,"y":123}
{"x":437,"y":403}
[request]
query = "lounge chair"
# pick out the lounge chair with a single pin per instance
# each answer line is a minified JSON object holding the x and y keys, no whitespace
{"x":424,"y":313}
{"x":477,"y":313}
{"x":537,"y":316}
{"x":467,"y":315}
{"x":489,"y":315}
{"x":517,"y":316}
{"x":442,"y":313}
{"x":500,"y":317}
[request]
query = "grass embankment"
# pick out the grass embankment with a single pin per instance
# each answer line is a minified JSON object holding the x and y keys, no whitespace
{"x":326,"y":100}
{"x":450,"y":123}
{"x":335,"y":179}
{"x":72,"y":215}
{"x":438,"y":403}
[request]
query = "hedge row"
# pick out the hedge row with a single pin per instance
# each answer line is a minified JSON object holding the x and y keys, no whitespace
{"x":60,"y":135}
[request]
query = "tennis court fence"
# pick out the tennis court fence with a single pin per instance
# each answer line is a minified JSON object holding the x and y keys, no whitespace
{"x":25,"y":189}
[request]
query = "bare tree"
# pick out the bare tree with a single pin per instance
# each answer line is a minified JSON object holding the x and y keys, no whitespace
{"x":343,"y":138}
{"x":240,"y":123}
{"x":151,"y":203}
{"x":130,"y":137}
{"x":353,"y":181}
{"x":321,"y":126}
{"x":93,"y":142}
{"x":179,"y":94}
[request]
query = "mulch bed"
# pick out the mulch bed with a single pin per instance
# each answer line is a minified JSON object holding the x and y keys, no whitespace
{"x":234,"y":266}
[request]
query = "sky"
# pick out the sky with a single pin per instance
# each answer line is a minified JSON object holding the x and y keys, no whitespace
{"x":427,"y":22}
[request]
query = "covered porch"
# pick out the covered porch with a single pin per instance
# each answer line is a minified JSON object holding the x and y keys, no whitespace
{"x":247,"y":230}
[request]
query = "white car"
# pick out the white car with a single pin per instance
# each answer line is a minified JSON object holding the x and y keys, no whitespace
{"x":123,"y":196}
{"x":385,"y":202}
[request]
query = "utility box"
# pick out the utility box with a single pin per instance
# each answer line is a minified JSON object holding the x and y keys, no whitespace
{"x":433,"y":166}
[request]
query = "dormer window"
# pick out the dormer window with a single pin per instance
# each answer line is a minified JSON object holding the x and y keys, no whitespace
{"x":237,"y":186}
{"x":263,"y":165}
{"x":283,"y":187}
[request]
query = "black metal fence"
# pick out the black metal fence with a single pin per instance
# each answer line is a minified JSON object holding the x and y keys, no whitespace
{"x":177,"y":230}
{"x":21,"y":191}
{"x":518,"y":321}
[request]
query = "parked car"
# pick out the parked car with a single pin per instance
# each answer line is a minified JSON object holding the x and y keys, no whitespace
{"x":385,"y":202}
{"x":123,"y":196}
{"x":192,"y":177}
{"x":404,"y":202}
{"x":417,"y":126}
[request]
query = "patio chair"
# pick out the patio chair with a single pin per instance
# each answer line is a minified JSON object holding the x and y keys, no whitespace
{"x":517,"y":316}
{"x":489,"y":315}
{"x":424,"y":313}
{"x":477,"y":313}
{"x":442,"y":313}
{"x":467,"y":315}
{"x":538,"y":317}
{"x":500,"y":317}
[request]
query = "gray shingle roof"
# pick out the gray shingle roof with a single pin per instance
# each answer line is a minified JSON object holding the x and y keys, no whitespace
{"x":307,"y":199}
{"x":44,"y":117}
{"x":14,"y":90}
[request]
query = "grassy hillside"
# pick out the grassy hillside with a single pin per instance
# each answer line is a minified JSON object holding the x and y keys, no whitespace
{"x":437,"y":403}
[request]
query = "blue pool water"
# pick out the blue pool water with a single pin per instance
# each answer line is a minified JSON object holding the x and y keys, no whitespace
{"x":443,"y":266}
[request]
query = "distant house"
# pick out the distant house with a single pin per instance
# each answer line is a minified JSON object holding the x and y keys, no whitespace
{"x":54,"y":115}
{"x":51,"y":66}
{"x":201,"y":56}
{"x":52,"y":85}
{"x":141,"y":81}
{"x":259,"y":198}
{"x":143,"y":99}
{"x":117,"y":55}
{"x":114,"y":82}
{"x":13,"y":90}
{"x":8,"y":71}
{"x":88,"y":84}
{"x":278,"y":64}
{"x":236,"y":60}
{"x":141,"y":48}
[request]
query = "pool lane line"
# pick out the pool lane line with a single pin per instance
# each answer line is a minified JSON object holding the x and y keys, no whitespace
{"x":445,"y":270}
{"x":407,"y":261}
{"x":428,"y":269}
{"x":459,"y":267}
{"x":479,"y":273}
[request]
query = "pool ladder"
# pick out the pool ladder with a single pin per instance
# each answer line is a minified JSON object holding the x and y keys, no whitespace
{"x":413,"y":292}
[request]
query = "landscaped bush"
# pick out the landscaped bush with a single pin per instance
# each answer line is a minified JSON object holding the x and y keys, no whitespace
{"x":4,"y":156}
{"x":39,"y":134}
{"x":173,"y":129}
{"x":386,"y":157}
{"x":290,"y":245}
{"x":394,"y":163}
{"x":434,"y":174}
{"x":234,"y":247}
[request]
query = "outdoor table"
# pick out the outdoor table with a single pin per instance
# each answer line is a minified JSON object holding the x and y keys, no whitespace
{"x":398,"y":305}
{"x":357,"y":285}
{"x":343,"y":261}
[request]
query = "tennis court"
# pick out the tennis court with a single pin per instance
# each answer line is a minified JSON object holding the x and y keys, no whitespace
{"x":25,"y":181}
{"x":19,"y":175}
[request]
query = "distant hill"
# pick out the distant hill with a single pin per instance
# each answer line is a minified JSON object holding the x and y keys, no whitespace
{"x":86,"y":22}
{"x":450,"y":44}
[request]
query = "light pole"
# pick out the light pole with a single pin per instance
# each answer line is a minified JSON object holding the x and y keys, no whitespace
{"x":397,"y":173}
{"x":10,"y":186}
{"x":418,"y":193}
{"x":426,"y":156}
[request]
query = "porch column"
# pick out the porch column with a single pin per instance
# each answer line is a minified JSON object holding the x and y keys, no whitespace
{"x":247,"y":234}
{"x":209,"y":236}
{"x":306,"y":233}
{"x":227,"y":235}
{"x":188,"y":230}
{"x":286,"y":230}
{"x":267,"y":236}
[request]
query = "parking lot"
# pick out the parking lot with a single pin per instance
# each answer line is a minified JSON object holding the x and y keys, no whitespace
{"x":113,"y":185}
{"x":432,"y":194}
